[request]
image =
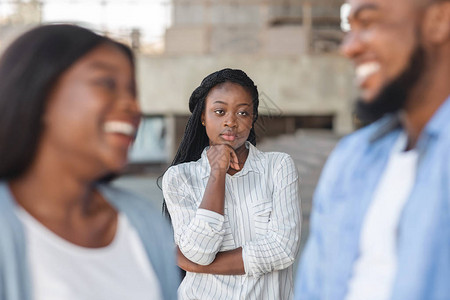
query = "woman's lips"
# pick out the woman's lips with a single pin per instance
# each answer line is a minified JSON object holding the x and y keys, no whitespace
{"x":228,"y":137}
{"x":120,"y":127}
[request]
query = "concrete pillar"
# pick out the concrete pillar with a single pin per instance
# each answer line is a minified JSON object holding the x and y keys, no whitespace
{"x":307,"y":24}
{"x":171,"y":143}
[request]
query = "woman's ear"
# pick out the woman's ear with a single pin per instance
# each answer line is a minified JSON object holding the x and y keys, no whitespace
{"x":202,"y":118}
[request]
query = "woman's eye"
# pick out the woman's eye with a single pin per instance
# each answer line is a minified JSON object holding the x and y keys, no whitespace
{"x":108,"y":83}
{"x":219,"y":111}
{"x":243,"y":113}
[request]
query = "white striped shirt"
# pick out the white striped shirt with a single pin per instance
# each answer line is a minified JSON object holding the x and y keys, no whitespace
{"x":262,"y":215}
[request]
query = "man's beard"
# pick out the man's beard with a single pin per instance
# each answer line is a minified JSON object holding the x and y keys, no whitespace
{"x":394,"y":95}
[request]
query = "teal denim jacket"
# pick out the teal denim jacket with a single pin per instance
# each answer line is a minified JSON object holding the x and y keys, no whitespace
{"x":153,"y":230}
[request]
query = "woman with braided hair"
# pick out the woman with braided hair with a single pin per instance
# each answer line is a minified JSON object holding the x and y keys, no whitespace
{"x":234,"y":209}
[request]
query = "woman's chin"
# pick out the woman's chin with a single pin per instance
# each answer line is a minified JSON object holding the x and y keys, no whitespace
{"x":115,"y":166}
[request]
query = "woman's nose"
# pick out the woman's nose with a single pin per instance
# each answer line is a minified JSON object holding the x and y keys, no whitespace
{"x":230,"y":121}
{"x":129,"y":104}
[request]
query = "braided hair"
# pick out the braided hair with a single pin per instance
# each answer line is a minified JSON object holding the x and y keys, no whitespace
{"x":195,"y":138}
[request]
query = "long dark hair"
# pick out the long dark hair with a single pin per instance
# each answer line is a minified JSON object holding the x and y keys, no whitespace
{"x":29,"y":69}
{"x":195,"y":138}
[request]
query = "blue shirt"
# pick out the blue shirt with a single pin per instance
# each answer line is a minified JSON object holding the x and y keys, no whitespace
{"x":342,"y":198}
{"x":155,"y":235}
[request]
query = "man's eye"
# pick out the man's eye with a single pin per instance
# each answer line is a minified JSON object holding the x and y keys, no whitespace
{"x":366,"y":20}
{"x":365,"y":23}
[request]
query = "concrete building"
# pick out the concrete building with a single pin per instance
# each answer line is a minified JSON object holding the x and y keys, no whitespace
{"x":288,"y":47}
{"x":271,"y":27}
{"x":24,"y":16}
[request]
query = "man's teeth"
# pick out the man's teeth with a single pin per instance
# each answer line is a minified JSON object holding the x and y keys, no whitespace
{"x":365,"y":70}
{"x":120,"y":127}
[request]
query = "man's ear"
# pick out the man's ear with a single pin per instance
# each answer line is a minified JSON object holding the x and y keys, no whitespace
{"x":436,"y":23}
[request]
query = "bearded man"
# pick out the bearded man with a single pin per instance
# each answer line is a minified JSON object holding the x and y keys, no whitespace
{"x":380,"y":226}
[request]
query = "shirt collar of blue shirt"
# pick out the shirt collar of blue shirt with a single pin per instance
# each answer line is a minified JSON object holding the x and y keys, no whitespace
{"x":437,"y":124}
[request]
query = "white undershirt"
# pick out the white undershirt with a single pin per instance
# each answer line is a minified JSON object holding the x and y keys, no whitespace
{"x":374,"y":270}
{"x":62,"y":270}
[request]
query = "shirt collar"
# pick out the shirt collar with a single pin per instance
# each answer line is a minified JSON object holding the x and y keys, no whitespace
{"x":440,"y":120}
{"x":384,"y":126}
{"x":435,"y":126}
{"x":254,"y":162}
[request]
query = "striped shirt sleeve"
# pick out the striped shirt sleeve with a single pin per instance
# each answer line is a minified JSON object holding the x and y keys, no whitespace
{"x":197,"y":232}
{"x":278,"y":249}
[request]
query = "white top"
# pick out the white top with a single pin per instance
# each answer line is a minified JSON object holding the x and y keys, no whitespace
{"x":62,"y":270}
{"x":374,"y":270}
{"x":262,"y":215}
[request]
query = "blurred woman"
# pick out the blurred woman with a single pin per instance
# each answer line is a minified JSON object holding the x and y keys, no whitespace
{"x":235,"y":210}
{"x":68,"y":114}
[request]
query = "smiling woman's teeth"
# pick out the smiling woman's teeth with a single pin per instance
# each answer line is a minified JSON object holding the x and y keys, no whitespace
{"x":120,"y":127}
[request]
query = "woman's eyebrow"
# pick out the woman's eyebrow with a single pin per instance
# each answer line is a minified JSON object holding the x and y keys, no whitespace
{"x":102,"y":65}
{"x":220,"y":102}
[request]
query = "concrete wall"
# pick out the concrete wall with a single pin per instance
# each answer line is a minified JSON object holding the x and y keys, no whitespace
{"x":284,"y":40}
{"x":235,"y":39}
{"x":253,"y":27}
{"x":289,"y":85}
{"x":186,"y":40}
